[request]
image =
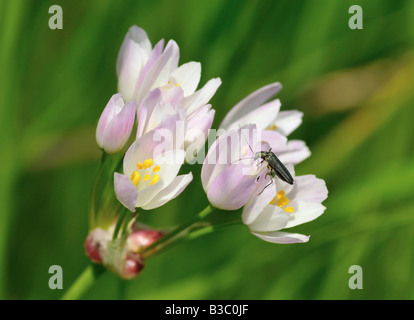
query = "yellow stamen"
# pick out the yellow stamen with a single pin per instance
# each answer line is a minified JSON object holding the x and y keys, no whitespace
{"x":282,"y":201}
{"x":135,"y":177}
{"x":155,"y":179}
{"x":148,"y":163}
{"x":156,"y":168}
{"x":139,"y":166}
{"x":146,"y":177}
{"x":178,"y":85}
{"x":289,"y":209}
{"x":273,"y":201}
{"x":272,"y":127}
{"x":280,"y":194}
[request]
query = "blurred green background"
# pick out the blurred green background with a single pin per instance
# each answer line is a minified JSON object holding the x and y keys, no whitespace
{"x":355,"y":88}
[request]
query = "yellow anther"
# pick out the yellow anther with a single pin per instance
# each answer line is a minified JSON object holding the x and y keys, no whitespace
{"x":280,"y":194}
{"x":135,"y":177}
{"x":282,"y":201}
{"x":146,"y":177}
{"x":155,"y":179}
{"x":148,"y":163}
{"x":139,"y":166}
{"x":272,"y":127}
{"x":289,"y":209}
{"x":273,"y":201}
{"x":156,"y":168}
{"x":178,"y":85}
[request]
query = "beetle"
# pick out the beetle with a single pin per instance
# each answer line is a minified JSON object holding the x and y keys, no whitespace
{"x":274,"y":165}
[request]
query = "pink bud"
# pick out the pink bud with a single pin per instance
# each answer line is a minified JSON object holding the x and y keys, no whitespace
{"x":132,"y":266}
{"x":94,"y":243}
{"x":142,"y":238}
{"x":115,"y":124}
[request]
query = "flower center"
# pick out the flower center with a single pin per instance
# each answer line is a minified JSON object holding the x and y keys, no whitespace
{"x":145,"y":174}
{"x":272,"y":127}
{"x":282,"y":201}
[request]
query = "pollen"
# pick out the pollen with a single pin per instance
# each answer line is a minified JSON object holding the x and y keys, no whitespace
{"x":146,"y":177}
{"x":156,"y":168}
{"x":282,"y":201}
{"x":178,"y":85}
{"x":135,"y":177}
{"x":272,"y":127}
{"x":155,"y":179}
{"x":289,"y":209}
{"x":148,"y":163}
{"x":139,"y":166}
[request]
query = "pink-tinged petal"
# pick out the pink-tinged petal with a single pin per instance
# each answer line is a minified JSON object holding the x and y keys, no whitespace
{"x":304,"y":212}
{"x":287,"y":121}
{"x":155,"y":54}
{"x":119,"y":129}
{"x":157,"y":76}
{"x":134,"y":53}
{"x":296,"y":152}
{"x":146,"y":109}
{"x":172,"y":129}
{"x":170,"y":192}
{"x":201,"y":97}
{"x":259,"y":200}
{"x":175,"y":54}
{"x":248,"y":104}
{"x":282,"y":185}
{"x":187,"y":76}
{"x":230,"y":189}
{"x":282,"y":237}
{"x":197,"y":133}
{"x":172,"y":94}
{"x":277,"y":142}
{"x":125,"y":191}
{"x":272,"y":218}
{"x":309,"y":188}
{"x":262,"y":116}
{"x":106,"y":116}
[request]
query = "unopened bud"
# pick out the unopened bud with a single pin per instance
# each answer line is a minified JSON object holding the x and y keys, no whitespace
{"x":94,"y":244}
{"x":142,"y":238}
{"x":132,"y":266}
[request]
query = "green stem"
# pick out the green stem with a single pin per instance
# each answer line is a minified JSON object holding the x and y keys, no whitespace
{"x":119,"y":224}
{"x":95,"y":185}
{"x":83,"y":282}
{"x":156,"y":246}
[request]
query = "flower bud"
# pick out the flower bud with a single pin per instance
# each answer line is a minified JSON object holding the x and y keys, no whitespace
{"x":115,"y":124}
{"x":94,"y":244}
{"x":143,"y":238}
{"x":132,"y":266}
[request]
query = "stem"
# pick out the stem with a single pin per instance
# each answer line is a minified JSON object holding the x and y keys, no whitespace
{"x":83,"y":282}
{"x":95,"y":185}
{"x":146,"y":252}
{"x":119,"y":224}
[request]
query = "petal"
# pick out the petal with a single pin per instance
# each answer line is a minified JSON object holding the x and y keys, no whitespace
{"x":230,"y":189}
{"x":276,"y":141}
{"x":119,"y":129}
{"x":282,"y":237}
{"x":251,"y":102}
{"x":187,"y":76}
{"x":105,"y":118}
{"x":309,"y":188}
{"x":170,"y":192}
{"x":258,"y":201}
{"x":287,"y":121}
{"x":155,"y":54}
{"x":201,"y":97}
{"x":304,"y":212}
{"x":125,"y":191}
{"x":272,"y":218}
{"x":296,"y":151}
{"x":262,"y":116}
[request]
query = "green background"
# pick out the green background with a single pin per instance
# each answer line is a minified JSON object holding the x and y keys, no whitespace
{"x":355,"y":88}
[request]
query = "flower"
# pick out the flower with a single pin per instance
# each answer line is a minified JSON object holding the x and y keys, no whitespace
{"x":162,"y":104}
{"x":276,"y":206}
{"x":229,"y":171}
{"x":150,"y":168}
{"x":115,"y":124}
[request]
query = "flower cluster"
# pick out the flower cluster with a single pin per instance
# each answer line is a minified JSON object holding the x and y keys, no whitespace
{"x":246,"y":165}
